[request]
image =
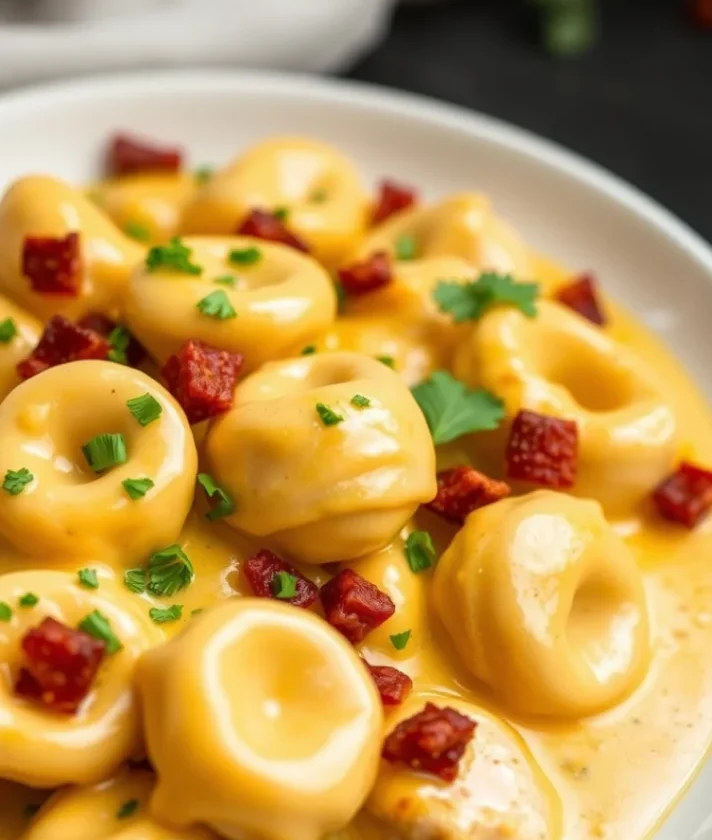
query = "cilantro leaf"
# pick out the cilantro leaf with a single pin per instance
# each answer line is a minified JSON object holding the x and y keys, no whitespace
{"x":470,"y":301}
{"x":169,"y":571}
{"x":163,"y":615}
{"x":97,"y":625}
{"x":175,"y":255}
{"x":217,"y":305}
{"x":452,"y":410}
{"x":15,"y":481}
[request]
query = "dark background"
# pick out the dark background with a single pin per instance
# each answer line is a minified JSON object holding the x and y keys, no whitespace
{"x":639,"y":102}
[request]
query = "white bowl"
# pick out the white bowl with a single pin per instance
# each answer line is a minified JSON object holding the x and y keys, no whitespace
{"x":563,"y":205}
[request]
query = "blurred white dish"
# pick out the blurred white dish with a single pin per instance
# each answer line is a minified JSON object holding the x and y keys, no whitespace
{"x":563,"y":205}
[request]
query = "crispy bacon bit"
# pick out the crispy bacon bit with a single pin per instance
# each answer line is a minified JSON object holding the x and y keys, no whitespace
{"x":98,"y":323}
{"x":53,"y":264}
{"x":462,"y":490}
{"x":354,"y":606}
{"x":392,"y":198}
{"x":366,"y":276}
{"x":542,"y":450}
{"x":393,"y":685}
{"x":267,"y":226}
{"x":61,"y":664}
{"x":202,"y":379}
{"x":686,"y":495}
{"x":61,"y":342}
{"x":261,"y":571}
{"x":432,"y":741}
{"x":128,"y":155}
{"x":581,"y":295}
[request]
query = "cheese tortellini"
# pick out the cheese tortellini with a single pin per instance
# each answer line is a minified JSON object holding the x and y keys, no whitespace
{"x":42,"y":748}
{"x":545,"y":604}
{"x":289,"y":754}
{"x":70,"y":510}
{"x":319,"y":474}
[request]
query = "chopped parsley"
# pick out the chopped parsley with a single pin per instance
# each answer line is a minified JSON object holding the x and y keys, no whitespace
{"x":226,"y":280}
{"x":175,"y":255}
{"x":225,"y":506}
{"x":284,"y":586}
{"x":5,"y":611}
{"x":97,"y":625}
{"x":127,"y":809}
{"x":309,"y":350}
{"x":400,"y":640}
{"x":137,"y":231}
{"x":341,"y":296}
{"x":8,"y":330}
{"x":359,"y":401}
{"x":29,"y":599}
{"x":135,"y":580}
{"x":388,"y":361}
{"x":15,"y":481}
{"x":217,"y":305}
{"x":169,"y":571}
{"x":119,"y":339}
{"x":281,"y":213}
{"x":105,"y":451}
{"x":470,"y":301}
{"x":88,"y":578}
{"x":145,"y":408}
{"x":245,"y":256}
{"x":203,"y":174}
{"x":328,"y":416}
{"x":452,"y":410}
{"x":318,"y":197}
{"x":419,"y":551}
{"x":163,"y":615}
{"x":405,"y":247}
{"x":136,"y":488}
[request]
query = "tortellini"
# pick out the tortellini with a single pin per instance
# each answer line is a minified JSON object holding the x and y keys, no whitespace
{"x":42,"y":748}
{"x":317,"y":186}
{"x":39,"y":205}
{"x":545,"y":604}
{"x":26,"y":331}
{"x":279,"y":300}
{"x":289,"y":753}
{"x":70,"y":510}
{"x":561,"y":365}
{"x":319,"y":474}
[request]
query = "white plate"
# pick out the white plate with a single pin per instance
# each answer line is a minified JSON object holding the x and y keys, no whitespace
{"x":563,"y":205}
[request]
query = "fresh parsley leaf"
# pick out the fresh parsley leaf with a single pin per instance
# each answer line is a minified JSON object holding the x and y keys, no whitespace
{"x":29,"y":599}
{"x":88,"y":578}
{"x":105,"y":451}
{"x":127,"y":809}
{"x":5,"y":611}
{"x":119,"y":339}
{"x":245,"y":256}
{"x":97,"y":625}
{"x":175,"y":255}
{"x":388,"y":361}
{"x":470,"y":301}
{"x":15,"y":481}
{"x":405,"y":247}
{"x":225,"y":506}
{"x":8,"y":330}
{"x":217,"y":305}
{"x":328,"y":416}
{"x":136,"y":488}
{"x":452,"y":410}
{"x":284,"y":586}
{"x":281,"y":213}
{"x":419,"y":551}
{"x":309,"y":350}
{"x":138,"y":232}
{"x":359,"y":401}
{"x":145,"y":408}
{"x":400,"y":640}
{"x":162,"y":616}
{"x":169,"y":571}
{"x":203,"y":174}
{"x":135,"y":580}
{"x":226,"y":280}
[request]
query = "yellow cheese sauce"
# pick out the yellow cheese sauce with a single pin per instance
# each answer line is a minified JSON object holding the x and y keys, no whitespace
{"x":259,"y":721}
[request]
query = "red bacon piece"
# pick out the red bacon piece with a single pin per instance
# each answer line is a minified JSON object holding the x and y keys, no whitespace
{"x":264,"y":225}
{"x":392,"y":198}
{"x":686,"y":495}
{"x":261,"y":572}
{"x":202,"y":379}
{"x":98,"y":323}
{"x":354,"y":606}
{"x":366,"y":276}
{"x":432,"y":741}
{"x":53,"y":265}
{"x":61,"y":342}
{"x":581,"y":295}
{"x":128,"y":155}
{"x":462,"y":490}
{"x":393,"y":685}
{"x":61,"y":665}
{"x":543,"y":450}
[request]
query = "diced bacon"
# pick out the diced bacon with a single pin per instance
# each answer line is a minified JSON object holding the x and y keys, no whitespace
{"x":393,"y":685}
{"x":53,"y":265}
{"x":462,"y":490}
{"x":261,"y":570}
{"x":432,"y":741}
{"x":98,"y":323}
{"x":366,"y":276}
{"x":264,"y":225}
{"x":354,"y":606}
{"x":128,"y":155}
{"x":581,"y":295}
{"x":542,"y":450}
{"x":686,"y":495}
{"x":62,"y":342}
{"x":202,"y":379}
{"x":391,"y":199}
{"x":61,"y":665}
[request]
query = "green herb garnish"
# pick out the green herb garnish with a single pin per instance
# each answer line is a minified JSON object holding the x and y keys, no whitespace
{"x":225,"y":506}
{"x":135,"y":580}
{"x":175,"y":255}
{"x":359,"y":401}
{"x":284,"y":586}
{"x":169,"y":571}
{"x":5,"y":611}
{"x":88,"y":578}
{"x":217,"y":305}
{"x":245,"y":256}
{"x":327,"y":415}
{"x":29,"y":599}
{"x":145,"y":408}
{"x":400,"y":640}
{"x":470,"y":301}
{"x":405,"y":247}
{"x":119,"y":339}
{"x":15,"y":481}
{"x":164,"y":615}
{"x":138,"y":232}
{"x":128,"y":809}
{"x":136,"y":488}
{"x":97,"y":625}
{"x":105,"y":451}
{"x":419,"y":551}
{"x":8,"y":330}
